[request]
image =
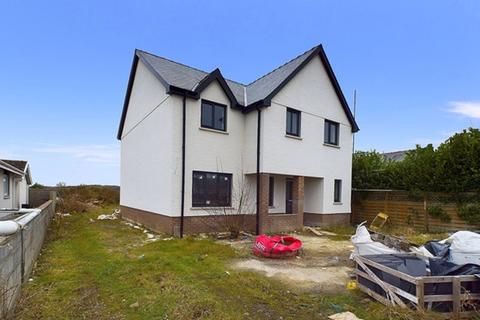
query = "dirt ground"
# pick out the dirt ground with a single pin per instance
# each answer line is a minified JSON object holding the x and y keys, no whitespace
{"x":322,"y":266}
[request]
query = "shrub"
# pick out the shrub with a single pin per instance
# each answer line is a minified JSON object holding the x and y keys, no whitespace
{"x":470,"y":212}
{"x":438,"y":213}
{"x":70,"y":203}
{"x":81,"y":198}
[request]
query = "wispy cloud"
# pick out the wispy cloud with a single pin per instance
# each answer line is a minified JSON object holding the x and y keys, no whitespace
{"x":104,"y":154}
{"x":469,"y":109}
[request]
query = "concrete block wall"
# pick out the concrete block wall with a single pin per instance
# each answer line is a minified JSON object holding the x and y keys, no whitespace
{"x":18,"y":253}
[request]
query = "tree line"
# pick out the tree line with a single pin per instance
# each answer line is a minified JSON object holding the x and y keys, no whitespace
{"x":453,"y":167}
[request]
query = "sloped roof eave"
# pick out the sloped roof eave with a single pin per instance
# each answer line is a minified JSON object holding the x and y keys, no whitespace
{"x":264,"y":101}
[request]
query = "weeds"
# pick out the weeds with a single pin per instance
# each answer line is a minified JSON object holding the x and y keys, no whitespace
{"x":98,"y":269}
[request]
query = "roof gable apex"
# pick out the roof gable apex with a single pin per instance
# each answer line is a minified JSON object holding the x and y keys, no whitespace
{"x":318,"y":51}
{"x":183,"y":80}
{"x":216,"y":75}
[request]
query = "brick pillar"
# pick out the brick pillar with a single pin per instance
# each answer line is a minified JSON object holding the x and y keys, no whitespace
{"x":298,"y":195}
{"x":263,"y":200}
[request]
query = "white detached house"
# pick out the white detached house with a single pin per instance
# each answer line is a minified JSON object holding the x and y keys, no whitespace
{"x":16,"y":180}
{"x":188,"y":137}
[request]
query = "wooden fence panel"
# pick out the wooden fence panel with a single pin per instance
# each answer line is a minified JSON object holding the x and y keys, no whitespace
{"x":403,"y":211}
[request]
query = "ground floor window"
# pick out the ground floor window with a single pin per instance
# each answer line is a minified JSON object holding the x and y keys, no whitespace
{"x":211,"y":189}
{"x":271,"y":186}
{"x":337,"y":193}
{"x":6,"y":185}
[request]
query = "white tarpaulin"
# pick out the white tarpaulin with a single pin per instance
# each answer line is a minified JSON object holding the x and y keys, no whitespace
{"x":364,"y":245}
{"x":464,"y":247}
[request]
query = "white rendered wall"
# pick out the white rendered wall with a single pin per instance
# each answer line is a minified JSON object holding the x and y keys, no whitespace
{"x":312,"y":93}
{"x":8,"y":202}
{"x":152,"y":135}
{"x":209,"y":150}
{"x":314,"y":195}
{"x":279,"y":190}
{"x":147,"y":147}
{"x":23,"y":187}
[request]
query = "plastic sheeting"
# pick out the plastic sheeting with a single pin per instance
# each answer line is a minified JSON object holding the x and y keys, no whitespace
{"x":404,"y":263}
{"x":364,"y":245}
{"x":464,"y":247}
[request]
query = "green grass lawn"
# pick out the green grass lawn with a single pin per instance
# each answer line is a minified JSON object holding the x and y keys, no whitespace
{"x":91,"y":269}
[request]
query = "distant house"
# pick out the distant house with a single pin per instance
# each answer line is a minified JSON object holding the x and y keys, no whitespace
{"x":395,"y":155}
{"x":16,"y":179}
{"x":189,"y":137}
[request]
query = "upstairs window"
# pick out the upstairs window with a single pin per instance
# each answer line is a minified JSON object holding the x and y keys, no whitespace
{"x":6,"y":185}
{"x":331,"y":132}
{"x":293,"y":122}
{"x":337,"y":191}
{"x":214,"y":116}
{"x":211,"y":189}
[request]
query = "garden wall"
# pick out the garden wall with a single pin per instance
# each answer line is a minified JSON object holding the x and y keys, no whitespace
{"x":406,"y":210}
{"x":38,"y":197}
{"x":18,"y":253}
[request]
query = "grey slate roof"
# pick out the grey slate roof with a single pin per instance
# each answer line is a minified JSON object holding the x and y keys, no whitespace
{"x":187,"y":81}
{"x":19,"y":164}
{"x":182,"y":76}
{"x":395,"y":155}
{"x":185,"y":77}
{"x":263,"y":86}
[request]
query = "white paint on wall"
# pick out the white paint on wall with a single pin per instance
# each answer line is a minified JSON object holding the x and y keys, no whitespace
{"x":23,"y":191}
{"x":147,"y":94}
{"x":6,"y":202}
{"x":148,"y":147}
{"x":18,"y":191}
{"x":210,"y":150}
{"x":312,"y":93}
{"x":313,"y":202}
{"x":151,"y":150}
{"x":279,"y":194}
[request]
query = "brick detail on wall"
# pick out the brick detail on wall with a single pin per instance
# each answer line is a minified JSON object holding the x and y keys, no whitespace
{"x":279,"y":222}
{"x":192,"y":224}
{"x":316,"y":219}
{"x":157,"y":222}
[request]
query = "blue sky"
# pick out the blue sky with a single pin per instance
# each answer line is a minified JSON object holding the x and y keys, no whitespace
{"x":64,"y":67}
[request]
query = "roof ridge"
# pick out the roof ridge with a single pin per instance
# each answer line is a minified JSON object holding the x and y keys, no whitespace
{"x":13,"y":160}
{"x":187,"y":66}
{"x":266,"y":74}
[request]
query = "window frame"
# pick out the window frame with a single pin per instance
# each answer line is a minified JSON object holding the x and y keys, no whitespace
{"x":6,"y":185}
{"x":197,"y":204}
{"x":271,"y":191}
{"x":337,"y":191}
{"x":327,"y":138}
{"x":214,"y":105}
{"x":289,"y":122}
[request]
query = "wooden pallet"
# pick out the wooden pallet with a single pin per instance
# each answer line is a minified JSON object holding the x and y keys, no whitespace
{"x":421,"y":301}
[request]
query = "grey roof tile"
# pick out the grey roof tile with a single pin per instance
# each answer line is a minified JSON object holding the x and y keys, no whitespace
{"x":185,"y":77}
{"x":256,"y":94}
{"x":263,"y":86}
{"x":19,"y":164}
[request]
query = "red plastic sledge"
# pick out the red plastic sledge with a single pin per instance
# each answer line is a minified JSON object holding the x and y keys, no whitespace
{"x":276,"y":246}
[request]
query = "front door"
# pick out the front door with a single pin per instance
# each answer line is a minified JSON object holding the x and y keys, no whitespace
{"x":288,"y":196}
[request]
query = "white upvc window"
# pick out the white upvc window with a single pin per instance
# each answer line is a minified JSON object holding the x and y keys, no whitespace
{"x":6,"y":185}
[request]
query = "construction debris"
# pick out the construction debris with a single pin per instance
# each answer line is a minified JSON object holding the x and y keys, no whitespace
{"x":344,"y":316}
{"x":319,"y":233}
{"x":365,"y":245}
{"x":112,"y":216}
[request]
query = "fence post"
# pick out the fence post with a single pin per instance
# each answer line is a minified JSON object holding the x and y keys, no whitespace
{"x":385,"y":203}
{"x":456,"y":293}
{"x":427,"y":223}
